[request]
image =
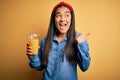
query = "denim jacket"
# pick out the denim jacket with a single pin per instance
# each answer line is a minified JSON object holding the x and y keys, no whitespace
{"x":58,"y":69}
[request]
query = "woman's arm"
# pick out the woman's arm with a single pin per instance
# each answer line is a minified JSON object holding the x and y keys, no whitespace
{"x":83,"y":51}
{"x":83,"y":55}
{"x":35,"y":61}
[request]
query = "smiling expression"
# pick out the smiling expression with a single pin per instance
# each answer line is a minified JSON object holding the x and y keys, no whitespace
{"x":62,"y":19}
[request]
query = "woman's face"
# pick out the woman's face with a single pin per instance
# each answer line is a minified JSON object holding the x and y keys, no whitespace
{"x":62,"y":19}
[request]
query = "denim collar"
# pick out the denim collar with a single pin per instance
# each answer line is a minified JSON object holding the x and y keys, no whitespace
{"x":55,"y":38}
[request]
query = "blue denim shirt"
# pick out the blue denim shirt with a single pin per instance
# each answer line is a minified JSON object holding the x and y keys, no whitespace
{"x":58,"y":69}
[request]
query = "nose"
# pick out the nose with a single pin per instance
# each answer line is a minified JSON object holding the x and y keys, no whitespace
{"x":63,"y":18}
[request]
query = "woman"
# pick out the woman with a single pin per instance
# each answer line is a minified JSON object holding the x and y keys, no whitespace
{"x":63,"y":48}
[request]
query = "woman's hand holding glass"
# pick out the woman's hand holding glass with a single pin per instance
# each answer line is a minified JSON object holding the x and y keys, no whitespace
{"x":30,"y":51}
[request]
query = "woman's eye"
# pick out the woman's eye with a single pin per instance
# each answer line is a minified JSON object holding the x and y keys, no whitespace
{"x":57,"y":16}
{"x":67,"y":15}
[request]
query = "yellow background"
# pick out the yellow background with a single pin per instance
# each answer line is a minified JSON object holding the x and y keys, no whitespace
{"x":99,"y":17}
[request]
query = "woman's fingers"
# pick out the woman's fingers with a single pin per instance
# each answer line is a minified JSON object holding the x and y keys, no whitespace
{"x":87,"y":34}
{"x":38,"y":47}
{"x":29,"y":50}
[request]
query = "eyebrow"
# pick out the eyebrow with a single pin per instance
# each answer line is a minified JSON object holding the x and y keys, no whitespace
{"x":60,"y":12}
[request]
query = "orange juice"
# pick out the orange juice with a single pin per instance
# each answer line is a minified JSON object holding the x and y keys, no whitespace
{"x":34,"y":43}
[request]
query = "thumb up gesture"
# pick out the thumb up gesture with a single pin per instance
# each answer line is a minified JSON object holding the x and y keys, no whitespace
{"x":82,"y":37}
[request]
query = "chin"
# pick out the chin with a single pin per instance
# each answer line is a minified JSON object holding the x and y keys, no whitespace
{"x":63,"y":32}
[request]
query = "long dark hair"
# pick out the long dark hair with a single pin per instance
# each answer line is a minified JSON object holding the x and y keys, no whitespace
{"x":69,"y":48}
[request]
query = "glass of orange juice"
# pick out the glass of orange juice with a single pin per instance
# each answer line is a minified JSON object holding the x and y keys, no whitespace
{"x":33,"y":40}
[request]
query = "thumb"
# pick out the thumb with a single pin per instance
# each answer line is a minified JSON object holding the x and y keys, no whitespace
{"x":87,"y":34}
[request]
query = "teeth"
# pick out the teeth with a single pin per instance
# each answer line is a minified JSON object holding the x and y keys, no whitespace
{"x":62,"y":24}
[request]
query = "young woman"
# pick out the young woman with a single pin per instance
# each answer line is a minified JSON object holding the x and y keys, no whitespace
{"x":63,"y":48}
